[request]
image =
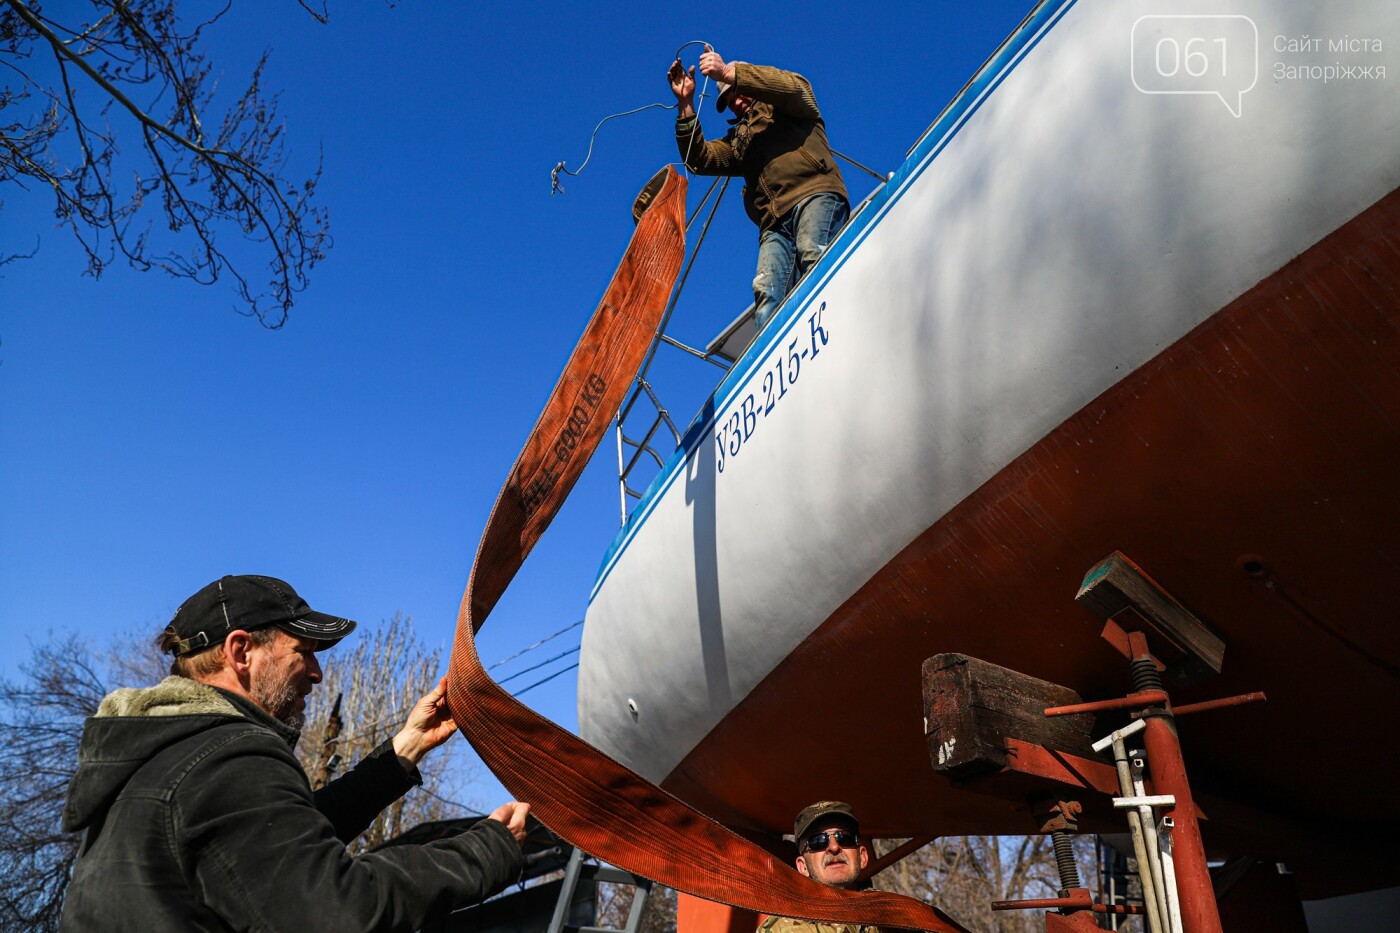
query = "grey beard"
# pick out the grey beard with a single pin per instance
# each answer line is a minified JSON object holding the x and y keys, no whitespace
{"x":279,"y":700}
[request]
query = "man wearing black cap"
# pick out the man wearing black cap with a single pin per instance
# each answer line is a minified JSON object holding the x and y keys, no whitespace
{"x":829,"y":850}
{"x":197,"y":816}
{"x":793,"y":190}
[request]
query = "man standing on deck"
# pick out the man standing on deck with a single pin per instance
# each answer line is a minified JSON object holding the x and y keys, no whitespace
{"x":829,"y":850}
{"x":777,"y":144}
{"x":196,"y":814}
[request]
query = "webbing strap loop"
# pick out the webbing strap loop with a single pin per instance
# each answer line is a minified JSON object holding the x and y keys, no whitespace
{"x":591,"y":801}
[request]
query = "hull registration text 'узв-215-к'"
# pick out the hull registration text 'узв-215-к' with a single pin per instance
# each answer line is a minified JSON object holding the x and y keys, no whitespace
{"x":778,"y":378}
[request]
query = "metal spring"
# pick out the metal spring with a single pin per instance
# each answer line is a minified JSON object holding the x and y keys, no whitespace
{"x":1064,"y":860}
{"x":1145,"y":674}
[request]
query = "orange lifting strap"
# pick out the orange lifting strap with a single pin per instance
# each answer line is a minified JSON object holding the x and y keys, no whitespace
{"x":584,"y":796}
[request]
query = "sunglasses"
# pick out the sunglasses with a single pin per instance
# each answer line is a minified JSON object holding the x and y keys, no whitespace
{"x":819,"y":841}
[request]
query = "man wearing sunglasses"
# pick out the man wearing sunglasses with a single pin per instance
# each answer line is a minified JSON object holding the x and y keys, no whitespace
{"x":829,"y":850}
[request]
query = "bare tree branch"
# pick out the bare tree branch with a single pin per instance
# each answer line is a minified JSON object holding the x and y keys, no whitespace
{"x":615,"y":905}
{"x":379,"y":677}
{"x":964,"y":874}
{"x":231,"y":181}
{"x":38,"y":749}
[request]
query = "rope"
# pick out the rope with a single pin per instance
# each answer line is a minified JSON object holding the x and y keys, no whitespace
{"x":591,"y":801}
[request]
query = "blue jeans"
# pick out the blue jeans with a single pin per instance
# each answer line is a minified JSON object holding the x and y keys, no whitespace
{"x":791,"y":247}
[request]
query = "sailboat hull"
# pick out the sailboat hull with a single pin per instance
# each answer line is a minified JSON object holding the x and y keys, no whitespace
{"x":1081,"y":318}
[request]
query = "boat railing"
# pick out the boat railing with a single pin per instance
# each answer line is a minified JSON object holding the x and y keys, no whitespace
{"x":642,"y":416}
{"x":977,"y":76}
{"x":639,"y":448}
{"x":637,"y":428}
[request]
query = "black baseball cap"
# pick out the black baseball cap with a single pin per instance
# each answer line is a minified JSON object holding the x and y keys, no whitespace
{"x":249,"y":602}
{"x":822,"y":810}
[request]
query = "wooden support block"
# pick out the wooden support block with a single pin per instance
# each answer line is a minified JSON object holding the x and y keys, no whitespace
{"x":1117,"y":587}
{"x":971,"y":707}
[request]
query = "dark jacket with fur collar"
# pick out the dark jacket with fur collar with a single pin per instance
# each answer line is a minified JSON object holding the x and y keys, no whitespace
{"x":197,"y":816}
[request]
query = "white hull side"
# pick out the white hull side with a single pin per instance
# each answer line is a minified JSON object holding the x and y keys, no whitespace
{"x":1029,"y":257}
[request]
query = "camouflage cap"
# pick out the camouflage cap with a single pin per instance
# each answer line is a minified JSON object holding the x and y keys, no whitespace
{"x":822,"y":810}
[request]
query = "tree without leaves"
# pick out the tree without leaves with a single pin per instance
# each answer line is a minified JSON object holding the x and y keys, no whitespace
{"x":614,"y":905}
{"x":383,"y":670}
{"x":961,"y":875}
{"x":197,"y":176}
{"x":379,"y":675}
{"x":43,"y":721}
{"x":964,"y":874}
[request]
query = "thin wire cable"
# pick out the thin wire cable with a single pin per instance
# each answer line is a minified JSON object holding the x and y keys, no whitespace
{"x":687,"y":45}
{"x":701,"y":206}
{"x":471,"y":811}
{"x":865,"y":168}
{"x":535,"y":667}
{"x":555,"y":187}
{"x":694,"y":128}
{"x":397,"y":712}
{"x":547,"y":638}
{"x":562,"y":670}
{"x":369,"y":728}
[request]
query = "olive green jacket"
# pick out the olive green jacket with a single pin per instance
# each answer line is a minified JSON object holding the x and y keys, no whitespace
{"x":778,"y":147}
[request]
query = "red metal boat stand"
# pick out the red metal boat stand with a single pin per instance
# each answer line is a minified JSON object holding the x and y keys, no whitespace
{"x":1143,"y":622}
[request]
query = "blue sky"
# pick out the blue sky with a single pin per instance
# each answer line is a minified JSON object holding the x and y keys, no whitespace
{"x":152,"y":440}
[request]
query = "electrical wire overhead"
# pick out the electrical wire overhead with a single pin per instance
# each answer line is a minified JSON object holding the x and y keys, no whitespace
{"x":571,"y":626}
{"x":545,"y":680}
{"x":535,"y":667}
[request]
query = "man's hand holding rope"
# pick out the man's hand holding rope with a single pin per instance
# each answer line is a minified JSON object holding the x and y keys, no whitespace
{"x":683,"y":86}
{"x":713,"y":66}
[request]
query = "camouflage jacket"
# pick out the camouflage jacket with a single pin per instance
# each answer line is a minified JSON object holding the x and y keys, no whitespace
{"x":792,"y":925}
